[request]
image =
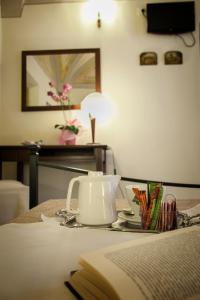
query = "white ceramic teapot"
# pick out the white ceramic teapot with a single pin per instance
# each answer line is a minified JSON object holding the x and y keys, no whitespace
{"x":96,"y":198}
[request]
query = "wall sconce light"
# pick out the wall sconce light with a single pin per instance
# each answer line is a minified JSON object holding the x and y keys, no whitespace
{"x":95,"y":109}
{"x":99,"y":20}
{"x":100,"y":10}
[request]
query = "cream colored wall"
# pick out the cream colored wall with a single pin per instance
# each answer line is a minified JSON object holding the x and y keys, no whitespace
{"x":0,"y":74}
{"x":154,"y":129}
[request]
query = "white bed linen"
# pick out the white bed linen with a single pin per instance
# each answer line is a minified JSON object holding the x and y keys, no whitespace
{"x":36,"y":258}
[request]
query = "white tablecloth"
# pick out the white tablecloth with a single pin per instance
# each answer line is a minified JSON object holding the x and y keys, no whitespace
{"x":36,"y":258}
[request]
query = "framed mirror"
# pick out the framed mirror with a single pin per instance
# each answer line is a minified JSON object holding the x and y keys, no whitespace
{"x":78,"y":67}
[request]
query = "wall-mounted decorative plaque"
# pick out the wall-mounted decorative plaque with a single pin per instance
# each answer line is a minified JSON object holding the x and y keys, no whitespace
{"x":173,"y":58}
{"x":148,"y":58}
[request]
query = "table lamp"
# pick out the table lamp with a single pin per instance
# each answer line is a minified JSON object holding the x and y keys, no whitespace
{"x":94,"y":110}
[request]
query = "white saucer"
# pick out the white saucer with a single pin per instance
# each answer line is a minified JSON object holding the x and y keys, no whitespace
{"x":130,"y":219}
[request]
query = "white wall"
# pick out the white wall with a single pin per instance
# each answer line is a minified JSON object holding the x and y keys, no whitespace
{"x":154,"y":129}
{"x":0,"y":73}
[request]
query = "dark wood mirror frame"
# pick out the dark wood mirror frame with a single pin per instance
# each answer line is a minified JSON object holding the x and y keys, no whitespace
{"x":26,"y":54}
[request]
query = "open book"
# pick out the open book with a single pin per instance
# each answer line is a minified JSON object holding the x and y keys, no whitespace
{"x":161,"y":267}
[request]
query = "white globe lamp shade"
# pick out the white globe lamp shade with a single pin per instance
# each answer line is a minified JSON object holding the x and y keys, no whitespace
{"x":96,"y":106}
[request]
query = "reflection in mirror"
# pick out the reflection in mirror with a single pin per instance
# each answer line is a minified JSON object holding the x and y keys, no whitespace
{"x":79,"y":67}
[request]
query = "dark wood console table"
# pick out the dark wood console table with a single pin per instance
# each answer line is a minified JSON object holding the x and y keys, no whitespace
{"x":33,"y":154}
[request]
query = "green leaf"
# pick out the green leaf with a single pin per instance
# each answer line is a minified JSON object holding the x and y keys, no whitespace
{"x":59,"y":126}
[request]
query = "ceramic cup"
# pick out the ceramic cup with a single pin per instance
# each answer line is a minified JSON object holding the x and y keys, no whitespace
{"x":132,"y":201}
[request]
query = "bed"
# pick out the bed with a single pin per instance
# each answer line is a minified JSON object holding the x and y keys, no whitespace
{"x":36,"y":257}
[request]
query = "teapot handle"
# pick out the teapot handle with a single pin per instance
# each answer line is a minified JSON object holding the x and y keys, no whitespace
{"x":69,"y":193}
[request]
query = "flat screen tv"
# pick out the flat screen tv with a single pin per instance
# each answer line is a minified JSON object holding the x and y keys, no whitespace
{"x":170,"y":17}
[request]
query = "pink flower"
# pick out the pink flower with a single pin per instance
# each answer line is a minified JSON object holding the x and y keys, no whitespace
{"x":66,"y":87}
{"x":60,"y":96}
{"x":49,"y":93}
{"x":55,"y":98}
{"x":65,"y":98}
{"x":72,"y":122}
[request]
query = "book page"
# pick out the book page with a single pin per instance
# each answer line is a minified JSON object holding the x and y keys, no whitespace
{"x":165,"y":266}
{"x":82,"y":282}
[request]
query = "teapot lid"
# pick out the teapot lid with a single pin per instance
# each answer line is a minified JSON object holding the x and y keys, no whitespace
{"x":94,"y":176}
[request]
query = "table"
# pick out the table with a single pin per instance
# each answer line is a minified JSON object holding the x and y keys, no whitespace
{"x":34,"y":154}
